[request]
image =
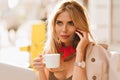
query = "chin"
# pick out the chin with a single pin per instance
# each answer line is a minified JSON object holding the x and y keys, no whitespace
{"x":64,"y":41}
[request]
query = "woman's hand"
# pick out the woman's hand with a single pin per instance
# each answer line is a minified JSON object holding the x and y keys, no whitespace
{"x":38,"y":63}
{"x":82,"y":43}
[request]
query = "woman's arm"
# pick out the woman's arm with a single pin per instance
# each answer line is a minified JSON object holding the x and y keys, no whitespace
{"x":40,"y":66}
{"x":42,"y":75}
{"x":79,"y":73}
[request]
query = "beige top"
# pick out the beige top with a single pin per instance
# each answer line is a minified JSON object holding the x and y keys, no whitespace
{"x":97,"y":62}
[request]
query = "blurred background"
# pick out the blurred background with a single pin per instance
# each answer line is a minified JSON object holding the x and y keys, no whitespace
{"x":18,"y":16}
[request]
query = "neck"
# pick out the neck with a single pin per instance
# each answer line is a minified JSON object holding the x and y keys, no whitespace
{"x":66,"y":44}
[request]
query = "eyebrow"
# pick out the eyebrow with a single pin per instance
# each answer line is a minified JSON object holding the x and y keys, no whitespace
{"x":61,"y":21}
{"x":70,"y":21}
{"x":58,"y":20}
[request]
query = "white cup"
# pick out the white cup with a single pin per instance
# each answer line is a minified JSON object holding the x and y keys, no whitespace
{"x":52,"y":60}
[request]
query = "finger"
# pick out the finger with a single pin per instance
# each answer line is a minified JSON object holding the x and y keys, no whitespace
{"x":85,"y":34}
{"x":37,"y":59}
{"x":78,"y":30}
{"x":78,"y":34}
{"x":38,"y":67}
{"x":40,"y":55}
{"x":37,"y":63}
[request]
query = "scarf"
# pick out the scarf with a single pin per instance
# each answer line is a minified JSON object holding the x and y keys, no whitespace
{"x":67,"y":52}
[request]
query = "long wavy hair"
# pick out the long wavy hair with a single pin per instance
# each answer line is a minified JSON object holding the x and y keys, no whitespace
{"x":79,"y":17}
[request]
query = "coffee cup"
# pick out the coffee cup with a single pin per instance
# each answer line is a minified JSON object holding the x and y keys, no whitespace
{"x":52,"y":60}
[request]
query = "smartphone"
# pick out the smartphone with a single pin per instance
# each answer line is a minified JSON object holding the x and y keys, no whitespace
{"x":75,"y":41}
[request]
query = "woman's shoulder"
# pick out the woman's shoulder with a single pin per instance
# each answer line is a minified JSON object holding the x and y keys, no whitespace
{"x":97,"y":48}
{"x":98,"y":45}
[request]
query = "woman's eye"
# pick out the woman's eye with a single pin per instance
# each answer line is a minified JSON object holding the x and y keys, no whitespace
{"x":71,"y":23}
{"x":58,"y":22}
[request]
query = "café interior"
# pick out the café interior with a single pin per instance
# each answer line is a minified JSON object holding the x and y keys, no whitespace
{"x":21,"y":22}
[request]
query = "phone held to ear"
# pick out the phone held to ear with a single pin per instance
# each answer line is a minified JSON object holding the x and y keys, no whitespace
{"x":76,"y":39}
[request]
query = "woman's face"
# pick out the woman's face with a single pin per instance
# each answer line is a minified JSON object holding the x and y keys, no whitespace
{"x":65,"y":28}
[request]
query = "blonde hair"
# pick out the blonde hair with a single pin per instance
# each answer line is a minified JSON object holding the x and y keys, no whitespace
{"x":78,"y":15}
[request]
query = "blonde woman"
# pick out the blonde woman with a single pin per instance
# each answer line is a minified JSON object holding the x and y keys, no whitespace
{"x":69,"y":35}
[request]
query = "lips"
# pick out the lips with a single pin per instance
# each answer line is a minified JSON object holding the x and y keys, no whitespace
{"x":65,"y":36}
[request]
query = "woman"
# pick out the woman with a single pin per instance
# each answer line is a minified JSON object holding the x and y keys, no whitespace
{"x":68,"y":35}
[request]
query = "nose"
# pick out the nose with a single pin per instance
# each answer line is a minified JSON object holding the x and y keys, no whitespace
{"x":64,"y":29}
